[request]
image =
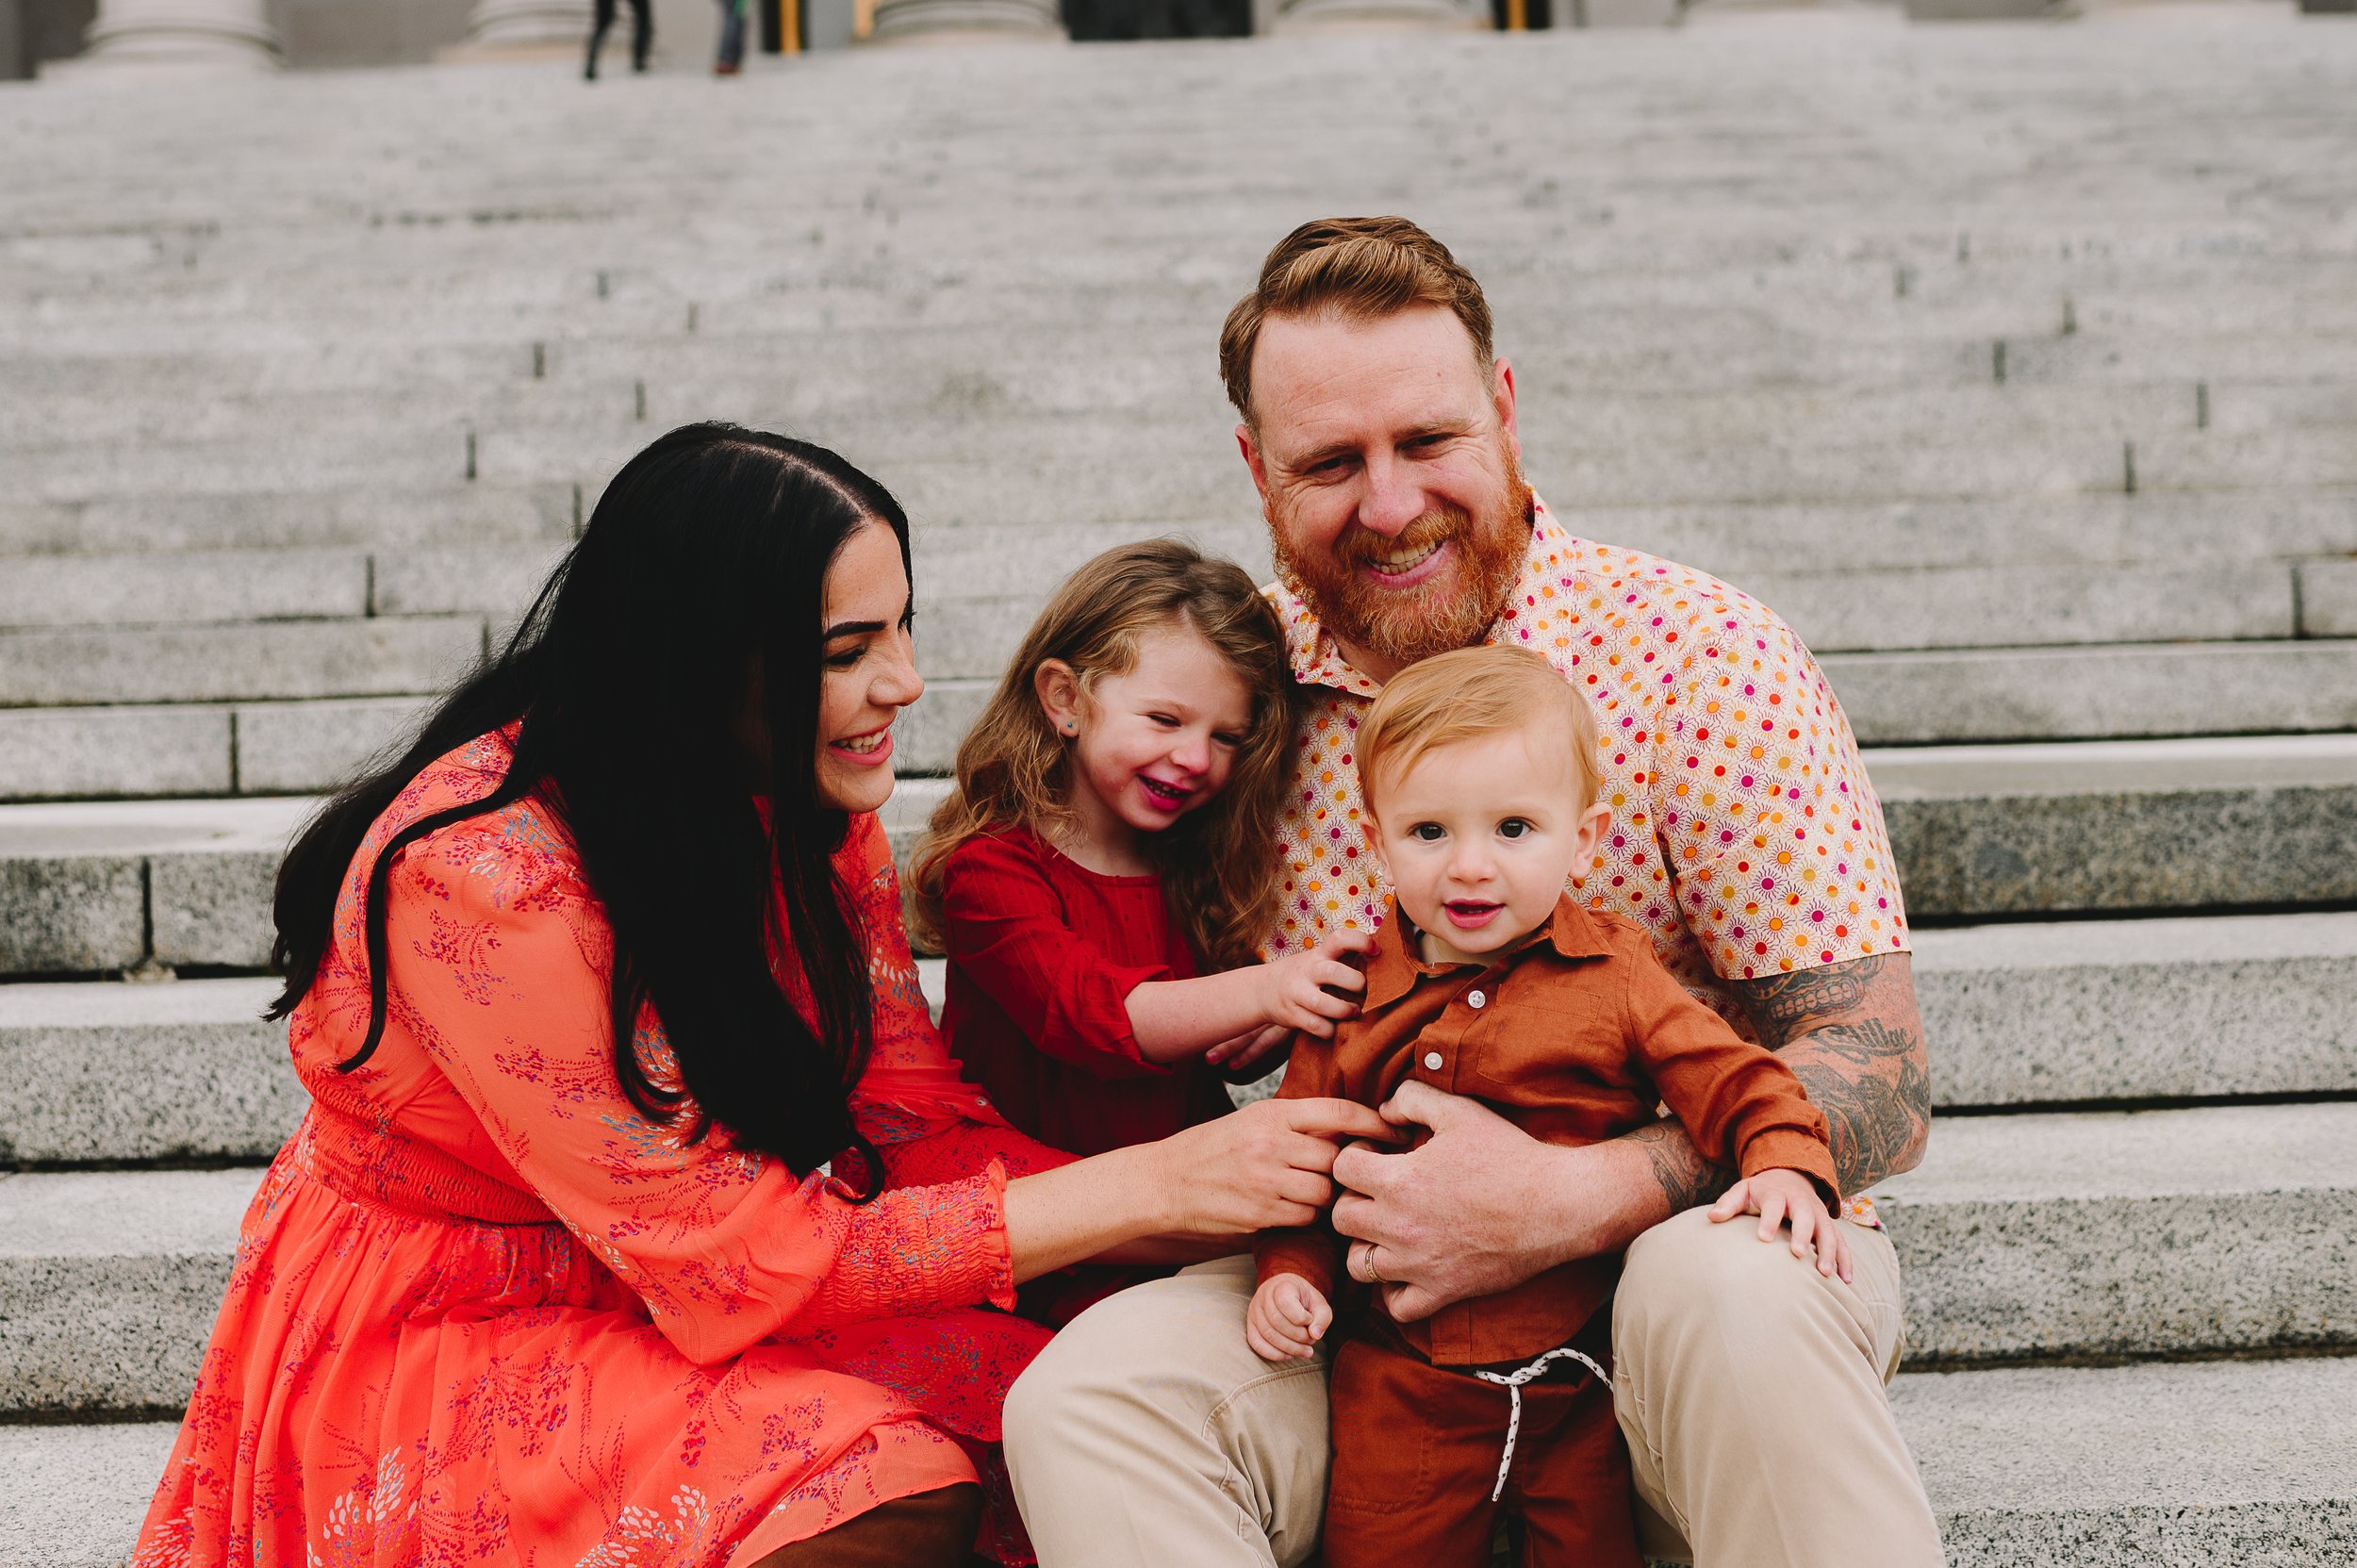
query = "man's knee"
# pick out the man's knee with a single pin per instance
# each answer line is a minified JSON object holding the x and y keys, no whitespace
{"x":1686,"y":1276}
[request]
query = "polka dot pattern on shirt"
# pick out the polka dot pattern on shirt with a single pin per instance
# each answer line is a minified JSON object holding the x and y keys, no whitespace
{"x":1744,"y":835}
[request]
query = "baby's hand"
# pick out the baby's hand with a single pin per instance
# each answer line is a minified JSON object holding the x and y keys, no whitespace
{"x":1286,"y":1319}
{"x":1300,"y":989}
{"x":1778,"y":1195}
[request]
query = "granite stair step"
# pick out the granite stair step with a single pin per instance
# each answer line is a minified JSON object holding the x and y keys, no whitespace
{"x":355,"y":656}
{"x":454,"y":513}
{"x":2158,"y":1466}
{"x":1835,"y":605}
{"x":2036,"y":1015}
{"x":2206,"y":1231}
{"x":2045,"y":831}
{"x":2052,"y":830}
{"x":137,"y":715}
{"x":106,"y":1072}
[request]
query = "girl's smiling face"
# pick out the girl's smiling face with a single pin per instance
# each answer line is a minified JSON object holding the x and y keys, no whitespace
{"x":867,"y":670}
{"x":1148,"y":744}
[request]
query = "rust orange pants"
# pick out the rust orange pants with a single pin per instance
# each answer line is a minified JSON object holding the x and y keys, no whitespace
{"x":1416,"y":1451}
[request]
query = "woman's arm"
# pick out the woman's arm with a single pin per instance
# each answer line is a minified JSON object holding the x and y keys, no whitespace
{"x":1267,"y":1165}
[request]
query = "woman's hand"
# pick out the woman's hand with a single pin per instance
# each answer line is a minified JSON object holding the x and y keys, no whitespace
{"x":1781,"y":1195}
{"x":1309,"y":991}
{"x":1267,"y":1166}
{"x":1263,"y":1166}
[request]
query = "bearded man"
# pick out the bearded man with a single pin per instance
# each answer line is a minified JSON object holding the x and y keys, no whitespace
{"x":1379,"y":428}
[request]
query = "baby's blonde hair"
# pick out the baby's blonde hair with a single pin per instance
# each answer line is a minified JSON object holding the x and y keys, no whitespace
{"x":1219,"y":864}
{"x":1469,"y":694}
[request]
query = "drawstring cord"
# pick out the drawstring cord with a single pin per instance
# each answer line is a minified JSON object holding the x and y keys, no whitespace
{"x":1512,"y":1383}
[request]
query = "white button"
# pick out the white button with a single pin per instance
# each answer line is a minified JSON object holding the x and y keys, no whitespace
{"x":1475,"y":1000}
{"x":1432,"y":1060}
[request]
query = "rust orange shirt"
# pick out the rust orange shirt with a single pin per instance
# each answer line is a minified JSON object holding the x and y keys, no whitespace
{"x":1574,"y":1035}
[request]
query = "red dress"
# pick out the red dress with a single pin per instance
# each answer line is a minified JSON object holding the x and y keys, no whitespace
{"x":483,"y":1310}
{"x":1042,"y":956}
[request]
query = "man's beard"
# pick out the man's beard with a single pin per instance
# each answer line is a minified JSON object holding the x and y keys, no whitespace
{"x":1453,"y":609}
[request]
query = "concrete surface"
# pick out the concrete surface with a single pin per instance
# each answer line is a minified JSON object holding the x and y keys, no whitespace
{"x":2222,"y":1229}
{"x":186,"y":1070}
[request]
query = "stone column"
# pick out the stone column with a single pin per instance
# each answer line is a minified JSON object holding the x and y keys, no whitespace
{"x":182,"y":34}
{"x":1370,"y":16}
{"x":534,"y":27}
{"x":966,"y":22}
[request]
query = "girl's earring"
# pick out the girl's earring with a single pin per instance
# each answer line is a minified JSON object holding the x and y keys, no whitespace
{"x":1071,"y":727}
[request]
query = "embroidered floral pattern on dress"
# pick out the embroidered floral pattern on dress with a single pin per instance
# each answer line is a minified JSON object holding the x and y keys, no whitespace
{"x":481,"y":1309}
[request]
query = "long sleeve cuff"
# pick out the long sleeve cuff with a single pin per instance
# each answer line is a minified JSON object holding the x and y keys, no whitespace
{"x":918,"y":1251}
{"x":1307,"y":1252}
{"x":1782,"y":1148}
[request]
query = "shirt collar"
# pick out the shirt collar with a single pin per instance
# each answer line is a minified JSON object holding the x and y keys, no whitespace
{"x":1394,"y":968}
{"x":1318,"y":660}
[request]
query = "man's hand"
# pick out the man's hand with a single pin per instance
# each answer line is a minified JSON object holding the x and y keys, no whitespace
{"x":1286,"y":1319}
{"x":1481,"y":1207}
{"x":1779,"y":1195}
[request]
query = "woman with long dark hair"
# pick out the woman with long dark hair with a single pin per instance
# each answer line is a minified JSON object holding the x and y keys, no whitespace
{"x":640,"y":1216}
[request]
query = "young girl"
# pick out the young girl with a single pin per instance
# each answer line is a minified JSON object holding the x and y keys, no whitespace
{"x":1103,"y":874}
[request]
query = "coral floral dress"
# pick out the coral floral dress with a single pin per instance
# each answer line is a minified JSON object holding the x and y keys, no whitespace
{"x":483,"y":1310}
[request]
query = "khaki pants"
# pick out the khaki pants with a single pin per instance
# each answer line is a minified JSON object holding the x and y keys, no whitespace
{"x":1748,"y":1386}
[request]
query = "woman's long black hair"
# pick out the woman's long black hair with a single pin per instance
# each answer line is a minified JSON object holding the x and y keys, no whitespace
{"x":694,"y":597}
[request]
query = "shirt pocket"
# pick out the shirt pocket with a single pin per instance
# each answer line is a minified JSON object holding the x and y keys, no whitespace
{"x":1538,"y":1050}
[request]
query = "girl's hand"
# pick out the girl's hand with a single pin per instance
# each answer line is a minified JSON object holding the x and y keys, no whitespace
{"x":1245,"y":1049}
{"x":1301,"y":989}
{"x":1265,"y":1165}
{"x":1286,"y":1319}
{"x":1779,"y":1195}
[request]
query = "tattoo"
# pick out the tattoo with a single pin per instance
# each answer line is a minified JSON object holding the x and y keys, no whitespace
{"x":1851,"y":1034}
{"x":1686,"y":1179}
{"x":1786,"y":1006}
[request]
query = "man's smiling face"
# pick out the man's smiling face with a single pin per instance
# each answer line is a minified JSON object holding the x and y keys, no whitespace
{"x":1387,"y":464}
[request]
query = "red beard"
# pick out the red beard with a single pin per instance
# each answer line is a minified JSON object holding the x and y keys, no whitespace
{"x":1452,"y":609}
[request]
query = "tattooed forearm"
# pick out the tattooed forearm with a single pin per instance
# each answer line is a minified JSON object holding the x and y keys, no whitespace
{"x":1851,"y":1033}
{"x":1686,"y":1179}
{"x":1868,"y":1080}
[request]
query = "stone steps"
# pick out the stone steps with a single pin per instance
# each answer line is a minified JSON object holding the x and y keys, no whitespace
{"x":2150,"y":1010}
{"x":2020,"y":1236}
{"x":294,"y":706}
{"x":2171,"y":1465}
{"x":2045,"y":831}
{"x":93,"y":421}
{"x":1892,"y":395}
{"x":1019,"y":487}
{"x":974,"y":619}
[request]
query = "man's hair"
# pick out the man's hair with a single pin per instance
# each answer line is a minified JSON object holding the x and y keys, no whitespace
{"x":1361,"y":269}
{"x":1471,"y":694}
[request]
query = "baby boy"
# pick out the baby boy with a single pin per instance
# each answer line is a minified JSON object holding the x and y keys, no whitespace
{"x":1490,"y":980}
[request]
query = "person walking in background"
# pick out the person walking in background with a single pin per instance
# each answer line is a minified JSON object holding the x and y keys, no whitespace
{"x":731,"y":59}
{"x":641,"y":34}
